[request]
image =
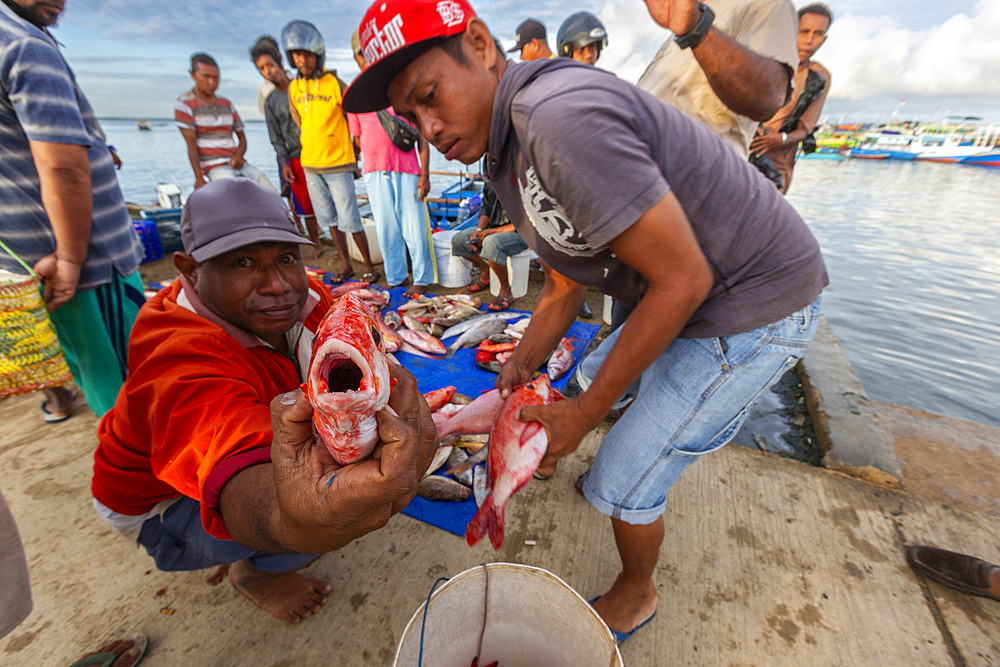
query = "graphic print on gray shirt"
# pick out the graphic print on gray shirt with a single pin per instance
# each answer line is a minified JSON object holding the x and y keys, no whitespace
{"x":577,"y":156}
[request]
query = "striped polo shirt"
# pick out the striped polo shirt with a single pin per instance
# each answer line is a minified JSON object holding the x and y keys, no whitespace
{"x":213,"y":125}
{"x":40,"y":101}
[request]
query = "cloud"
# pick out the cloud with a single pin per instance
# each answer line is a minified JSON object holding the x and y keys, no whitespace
{"x":942,"y":53}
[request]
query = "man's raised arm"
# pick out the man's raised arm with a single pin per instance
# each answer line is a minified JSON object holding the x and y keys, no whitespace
{"x":749,"y":84}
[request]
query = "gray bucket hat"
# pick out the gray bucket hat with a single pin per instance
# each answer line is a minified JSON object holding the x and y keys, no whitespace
{"x":231,"y":213}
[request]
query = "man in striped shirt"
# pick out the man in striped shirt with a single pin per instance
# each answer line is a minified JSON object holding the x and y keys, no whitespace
{"x":207,"y":122}
{"x":61,"y":209}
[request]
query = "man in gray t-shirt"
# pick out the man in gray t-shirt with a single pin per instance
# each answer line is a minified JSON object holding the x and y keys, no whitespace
{"x":613,"y":188}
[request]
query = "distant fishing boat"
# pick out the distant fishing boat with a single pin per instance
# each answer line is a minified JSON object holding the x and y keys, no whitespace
{"x":867,"y":154}
{"x":988,"y":159}
{"x":143,"y":124}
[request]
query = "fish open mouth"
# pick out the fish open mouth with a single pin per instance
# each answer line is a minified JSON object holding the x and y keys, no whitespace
{"x":341,"y":374}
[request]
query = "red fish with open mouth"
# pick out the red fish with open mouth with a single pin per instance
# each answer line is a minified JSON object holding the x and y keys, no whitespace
{"x":348,"y":379}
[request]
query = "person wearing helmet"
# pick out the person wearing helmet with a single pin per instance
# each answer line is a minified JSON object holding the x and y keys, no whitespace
{"x":328,"y":156}
{"x":653,"y":208}
{"x":581,"y":37}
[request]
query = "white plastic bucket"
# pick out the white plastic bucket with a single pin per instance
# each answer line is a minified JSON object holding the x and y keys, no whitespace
{"x":532,"y":617}
{"x":373,"y":249}
{"x":517,"y":274}
{"x":452,"y":271}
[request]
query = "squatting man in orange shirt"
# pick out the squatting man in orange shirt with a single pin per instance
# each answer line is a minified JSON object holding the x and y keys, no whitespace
{"x":188,"y":464}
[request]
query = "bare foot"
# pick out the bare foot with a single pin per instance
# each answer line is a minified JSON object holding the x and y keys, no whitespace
{"x":546,"y":471}
{"x":415,"y":290}
{"x":624,"y":610}
{"x":290,"y":596}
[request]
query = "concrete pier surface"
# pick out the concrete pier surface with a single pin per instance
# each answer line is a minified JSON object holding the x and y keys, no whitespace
{"x":766,"y":561}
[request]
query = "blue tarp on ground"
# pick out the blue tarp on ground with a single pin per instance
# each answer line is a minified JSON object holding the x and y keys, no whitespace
{"x":461,"y":371}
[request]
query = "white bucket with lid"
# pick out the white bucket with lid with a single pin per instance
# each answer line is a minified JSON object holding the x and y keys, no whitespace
{"x":519,"y":615}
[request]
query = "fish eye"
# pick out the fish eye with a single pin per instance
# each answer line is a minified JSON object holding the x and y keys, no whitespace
{"x":376,"y":334}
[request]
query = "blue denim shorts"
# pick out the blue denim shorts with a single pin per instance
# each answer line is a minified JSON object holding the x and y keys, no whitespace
{"x":178,"y":541}
{"x":496,"y":247}
{"x":691,"y":401}
{"x":334,"y":200}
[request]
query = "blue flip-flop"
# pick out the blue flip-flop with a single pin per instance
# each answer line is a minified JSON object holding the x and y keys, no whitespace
{"x":620,"y":637}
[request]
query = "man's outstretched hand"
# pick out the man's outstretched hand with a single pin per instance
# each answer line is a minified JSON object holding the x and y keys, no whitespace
{"x":678,"y":16}
{"x":322,"y":506}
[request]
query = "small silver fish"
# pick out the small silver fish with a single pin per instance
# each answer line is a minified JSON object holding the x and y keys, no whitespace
{"x":477,"y":334}
{"x":479,"y":488}
{"x":455,"y":460}
{"x":439,"y":458}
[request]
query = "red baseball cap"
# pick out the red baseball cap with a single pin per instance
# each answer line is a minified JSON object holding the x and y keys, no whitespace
{"x":393,"y":34}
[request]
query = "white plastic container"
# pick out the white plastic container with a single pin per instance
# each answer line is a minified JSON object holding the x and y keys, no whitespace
{"x":452,"y":271}
{"x":373,"y":249}
{"x":607,"y":309}
{"x":517,"y":274}
{"x":530,"y":617}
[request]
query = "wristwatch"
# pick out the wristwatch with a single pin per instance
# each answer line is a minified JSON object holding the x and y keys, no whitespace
{"x":693,"y":37}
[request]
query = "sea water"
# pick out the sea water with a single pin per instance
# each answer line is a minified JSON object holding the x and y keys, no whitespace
{"x":912,"y":248}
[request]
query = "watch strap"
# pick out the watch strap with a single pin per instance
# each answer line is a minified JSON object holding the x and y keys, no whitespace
{"x":693,"y":37}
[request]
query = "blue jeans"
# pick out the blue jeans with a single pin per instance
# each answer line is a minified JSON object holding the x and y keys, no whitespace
{"x":334,"y":200}
{"x":400,"y":226}
{"x":691,"y":401}
{"x":246,"y":171}
{"x":496,"y":247}
{"x":178,"y":541}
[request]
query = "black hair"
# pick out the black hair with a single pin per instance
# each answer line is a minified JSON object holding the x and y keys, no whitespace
{"x":818,"y":8}
{"x":453,"y":47}
{"x":204,"y":59}
{"x":265,"y":46}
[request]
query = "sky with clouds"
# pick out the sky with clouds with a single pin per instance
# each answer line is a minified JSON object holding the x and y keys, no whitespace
{"x":131,"y":58}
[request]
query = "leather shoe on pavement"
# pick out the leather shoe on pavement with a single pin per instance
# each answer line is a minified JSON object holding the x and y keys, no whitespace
{"x":963,"y":573}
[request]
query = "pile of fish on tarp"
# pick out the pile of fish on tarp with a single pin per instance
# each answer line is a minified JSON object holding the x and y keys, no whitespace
{"x":512,"y":450}
{"x":420,"y":325}
{"x":471,"y":432}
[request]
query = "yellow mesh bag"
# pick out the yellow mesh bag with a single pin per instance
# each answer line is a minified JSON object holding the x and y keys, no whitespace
{"x":30,"y":355}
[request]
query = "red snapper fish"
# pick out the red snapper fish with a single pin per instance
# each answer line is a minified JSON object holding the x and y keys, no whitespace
{"x":348,"y":379}
{"x":516,"y":449}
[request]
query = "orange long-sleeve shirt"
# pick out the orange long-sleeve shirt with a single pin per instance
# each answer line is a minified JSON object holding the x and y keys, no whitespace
{"x":195,"y":407}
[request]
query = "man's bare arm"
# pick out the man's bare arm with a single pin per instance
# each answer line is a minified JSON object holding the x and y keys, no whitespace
{"x":67,"y":196}
{"x":424,"y":181}
{"x":749,"y":84}
{"x":241,"y":148}
{"x":302,"y":501}
{"x":191,"y":139}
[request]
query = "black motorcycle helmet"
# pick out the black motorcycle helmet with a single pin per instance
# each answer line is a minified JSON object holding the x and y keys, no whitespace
{"x":303,"y":36}
{"x":581,"y":29}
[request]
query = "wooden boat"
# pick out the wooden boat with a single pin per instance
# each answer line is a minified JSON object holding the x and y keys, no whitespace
{"x":143,"y":124}
{"x":988,"y":159}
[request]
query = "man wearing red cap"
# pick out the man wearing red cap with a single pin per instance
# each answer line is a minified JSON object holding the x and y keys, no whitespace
{"x":653,"y":209}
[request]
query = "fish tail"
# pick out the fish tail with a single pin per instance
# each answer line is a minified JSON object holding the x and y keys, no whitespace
{"x":485,"y":521}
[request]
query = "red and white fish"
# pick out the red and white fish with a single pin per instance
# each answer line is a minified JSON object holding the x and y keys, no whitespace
{"x":561,"y":360}
{"x":476,"y":417}
{"x":348,"y":379}
{"x":438,"y":398}
{"x":422,"y":341}
{"x":516,"y":449}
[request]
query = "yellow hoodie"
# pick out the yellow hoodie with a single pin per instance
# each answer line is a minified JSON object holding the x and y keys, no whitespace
{"x":326,"y":139}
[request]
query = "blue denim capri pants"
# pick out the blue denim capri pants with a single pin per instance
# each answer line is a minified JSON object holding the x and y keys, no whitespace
{"x":496,"y":247}
{"x":334,"y":200}
{"x":691,"y":401}
{"x":177,"y":541}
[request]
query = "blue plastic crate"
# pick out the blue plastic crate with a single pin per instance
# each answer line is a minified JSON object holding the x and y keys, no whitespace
{"x":168,"y":227}
{"x":146,"y":229}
